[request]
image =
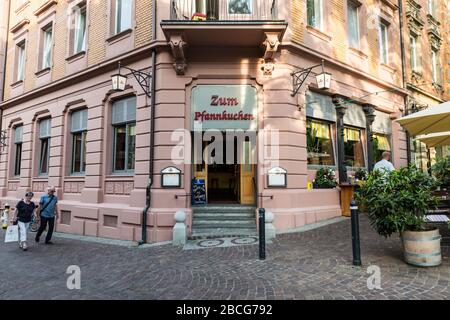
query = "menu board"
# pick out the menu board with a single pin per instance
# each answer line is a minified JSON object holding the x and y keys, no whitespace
{"x":198,"y":191}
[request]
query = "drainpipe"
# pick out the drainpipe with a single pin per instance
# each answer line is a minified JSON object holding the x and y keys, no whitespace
{"x":2,"y":97}
{"x":148,"y":195}
{"x":403,"y":55}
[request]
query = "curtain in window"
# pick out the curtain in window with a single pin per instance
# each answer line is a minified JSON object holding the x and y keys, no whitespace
{"x":124,"y":111}
{"x":383,"y":142}
{"x":80,"y":30}
{"x":18,"y":134}
{"x":21,"y":63}
{"x":79,"y":121}
{"x":47,"y":48}
{"x":353,"y":26}
{"x":351,"y":135}
{"x":123,"y":15}
{"x":320,"y":130}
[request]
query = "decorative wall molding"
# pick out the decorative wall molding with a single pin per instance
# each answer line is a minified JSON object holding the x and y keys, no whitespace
{"x":13,"y":185}
{"x":178,"y":47}
{"x":119,"y":187}
{"x":73,"y":186}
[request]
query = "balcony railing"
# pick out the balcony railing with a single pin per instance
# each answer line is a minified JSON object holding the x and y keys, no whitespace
{"x":224,"y":10}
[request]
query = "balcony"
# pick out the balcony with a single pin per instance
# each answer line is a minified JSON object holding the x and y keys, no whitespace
{"x":222,"y":23}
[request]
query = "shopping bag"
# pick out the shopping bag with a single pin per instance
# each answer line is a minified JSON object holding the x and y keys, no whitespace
{"x":12,"y":234}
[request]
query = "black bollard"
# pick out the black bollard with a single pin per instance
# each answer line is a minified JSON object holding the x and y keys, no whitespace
{"x":262,"y":233}
{"x":355,"y":234}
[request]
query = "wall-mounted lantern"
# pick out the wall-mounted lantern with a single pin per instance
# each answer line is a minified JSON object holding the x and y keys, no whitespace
{"x":299,"y":77}
{"x":171,"y":177}
{"x":119,"y":81}
{"x":277,"y":178}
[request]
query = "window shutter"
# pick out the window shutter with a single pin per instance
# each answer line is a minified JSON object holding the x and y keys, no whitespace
{"x":124,"y":111}
{"x":79,"y":121}
{"x":18,"y":134}
{"x":45,"y":128}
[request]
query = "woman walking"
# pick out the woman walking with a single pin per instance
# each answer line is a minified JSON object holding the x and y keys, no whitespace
{"x":23,"y":214}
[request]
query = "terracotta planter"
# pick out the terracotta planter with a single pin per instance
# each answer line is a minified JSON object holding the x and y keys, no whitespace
{"x":422,"y":248}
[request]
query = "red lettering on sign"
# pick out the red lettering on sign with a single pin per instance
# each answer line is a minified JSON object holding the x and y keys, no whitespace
{"x":223,"y":101}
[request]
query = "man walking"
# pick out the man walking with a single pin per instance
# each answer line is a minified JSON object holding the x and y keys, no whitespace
{"x":47,"y":212}
{"x":384,"y":163}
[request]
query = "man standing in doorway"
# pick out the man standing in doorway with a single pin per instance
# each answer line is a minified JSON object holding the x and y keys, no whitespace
{"x":384,"y":163}
{"x":48,"y":212}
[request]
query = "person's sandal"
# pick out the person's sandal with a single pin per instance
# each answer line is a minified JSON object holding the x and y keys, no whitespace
{"x":24,"y":246}
{"x":20,"y":244}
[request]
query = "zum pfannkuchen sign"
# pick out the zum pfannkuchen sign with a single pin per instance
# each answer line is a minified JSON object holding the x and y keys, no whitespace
{"x":224,"y":107}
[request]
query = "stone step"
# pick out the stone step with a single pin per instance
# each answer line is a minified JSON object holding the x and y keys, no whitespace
{"x":224,"y":209}
{"x":198,"y":224}
{"x":224,"y":216}
{"x":221,"y":233}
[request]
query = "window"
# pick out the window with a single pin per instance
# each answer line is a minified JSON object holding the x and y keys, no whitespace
{"x":380,"y":144}
{"x":20,"y":64}
{"x":384,"y":44}
{"x":435,"y":66}
{"x":413,"y":53}
{"x":124,"y":125}
{"x":79,"y":130}
{"x":47,"y":34}
{"x":315,"y":13}
{"x":123,"y":11}
{"x":240,"y":6}
{"x":18,"y":134}
{"x":319,"y":143}
{"x":79,"y":29}
{"x":353,"y":24}
{"x":353,"y":148}
{"x":432,"y":6}
{"x":44,"y":138}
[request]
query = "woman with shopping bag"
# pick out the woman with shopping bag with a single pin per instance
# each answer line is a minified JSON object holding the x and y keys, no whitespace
{"x":23,"y":213}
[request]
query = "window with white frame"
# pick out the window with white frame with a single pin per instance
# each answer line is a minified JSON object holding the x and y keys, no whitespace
{"x":47,"y":39}
{"x":78,"y":41}
{"x":432,"y":6}
{"x":353,"y":24}
{"x":44,"y":140}
{"x":384,"y":43}
{"x":122,"y":15}
{"x":315,"y":13}
{"x":435,"y":66}
{"x":20,"y":58}
{"x":18,"y":139}
{"x":413,"y":47}
{"x":124,"y":128}
{"x":79,"y":131}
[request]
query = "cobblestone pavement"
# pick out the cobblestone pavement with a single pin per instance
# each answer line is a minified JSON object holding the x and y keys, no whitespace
{"x":310,"y":265}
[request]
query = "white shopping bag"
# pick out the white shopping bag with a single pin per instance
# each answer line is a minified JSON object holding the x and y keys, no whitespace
{"x":12,"y":234}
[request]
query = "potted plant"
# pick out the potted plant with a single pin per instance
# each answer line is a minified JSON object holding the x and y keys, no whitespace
{"x":325,"y":179}
{"x":398,"y":202}
{"x":361,"y":175}
{"x":441,"y":170}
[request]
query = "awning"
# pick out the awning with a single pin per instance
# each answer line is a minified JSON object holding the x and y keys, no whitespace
{"x":431,"y":120}
{"x":435,"y":139}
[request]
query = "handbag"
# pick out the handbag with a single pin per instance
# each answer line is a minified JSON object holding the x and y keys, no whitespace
{"x":12,"y":234}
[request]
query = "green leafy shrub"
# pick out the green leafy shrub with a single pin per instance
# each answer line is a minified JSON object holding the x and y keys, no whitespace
{"x":397,"y":201}
{"x":325,"y":179}
{"x":441,"y":170}
{"x":361,"y":174}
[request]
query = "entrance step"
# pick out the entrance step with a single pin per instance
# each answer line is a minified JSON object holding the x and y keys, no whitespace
{"x":222,"y":233}
{"x":215,"y":221}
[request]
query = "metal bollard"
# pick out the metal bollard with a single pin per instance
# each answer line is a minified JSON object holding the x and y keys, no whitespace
{"x":262,"y":233}
{"x":355,"y":234}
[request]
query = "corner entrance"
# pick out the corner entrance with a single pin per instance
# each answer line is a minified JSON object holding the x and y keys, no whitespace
{"x":226,"y":169}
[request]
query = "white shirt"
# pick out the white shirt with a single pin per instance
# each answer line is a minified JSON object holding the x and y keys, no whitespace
{"x":384,"y":164}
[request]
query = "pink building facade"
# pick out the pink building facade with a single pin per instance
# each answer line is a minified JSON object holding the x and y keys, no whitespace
{"x":95,"y":144}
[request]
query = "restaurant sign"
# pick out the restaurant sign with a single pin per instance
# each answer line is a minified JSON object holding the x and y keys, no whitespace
{"x":224,"y":107}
